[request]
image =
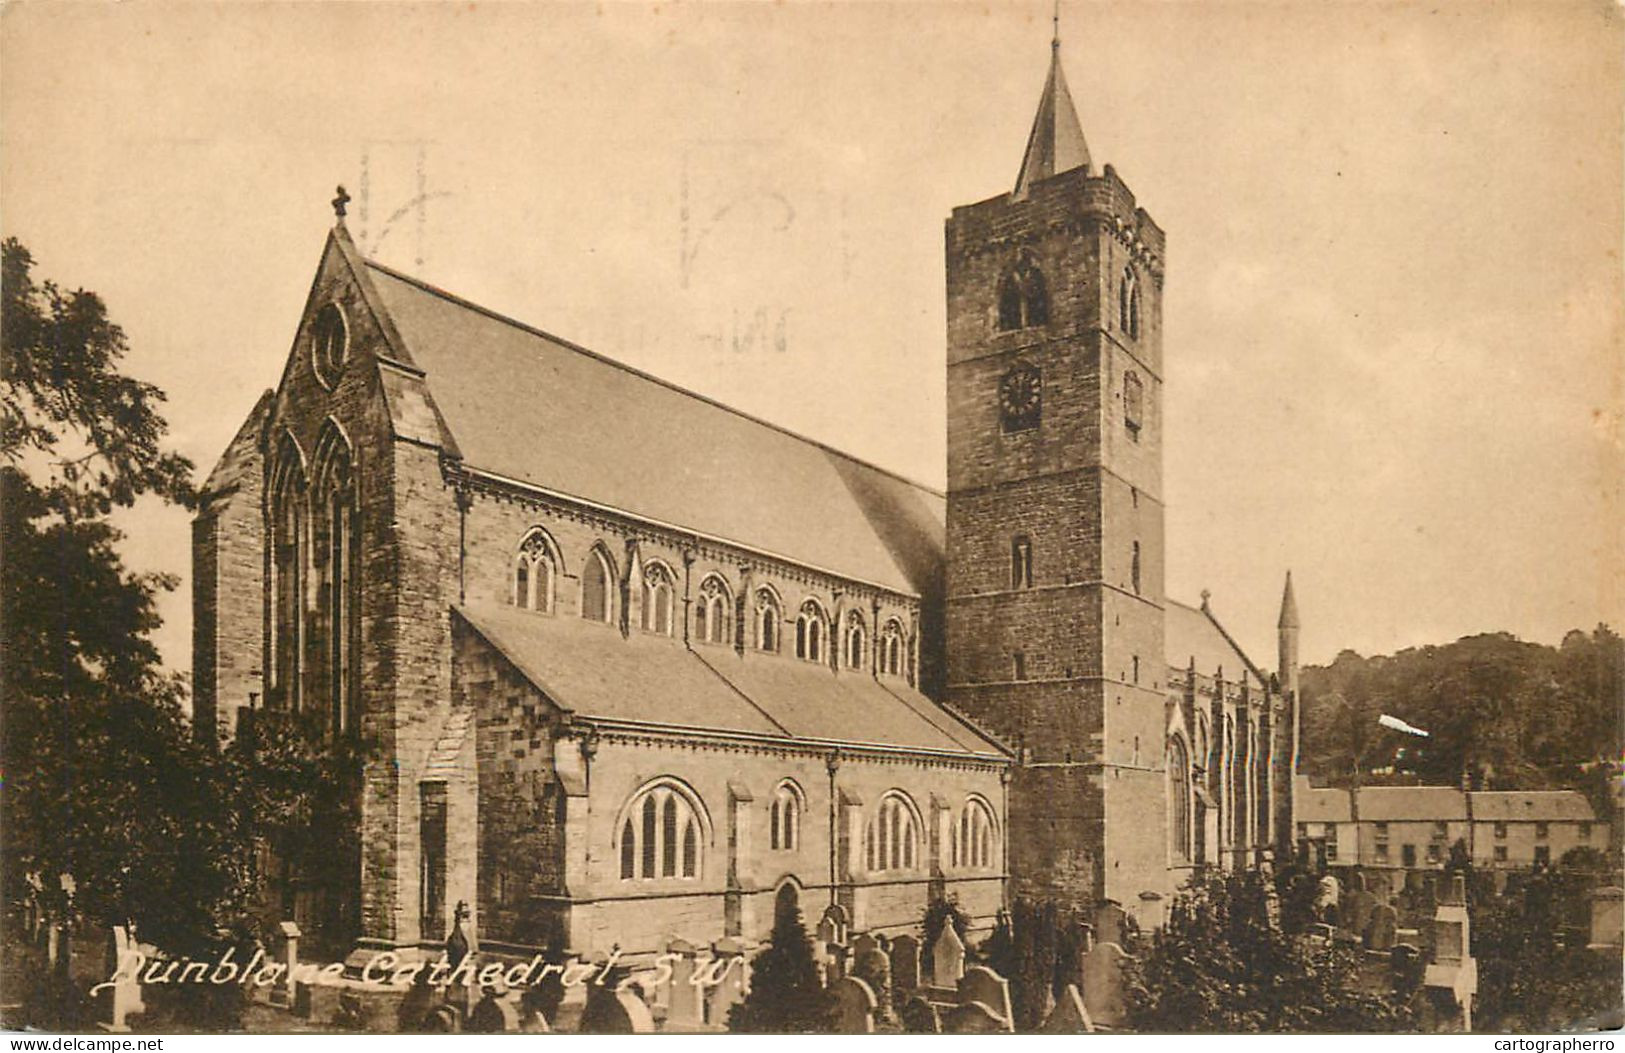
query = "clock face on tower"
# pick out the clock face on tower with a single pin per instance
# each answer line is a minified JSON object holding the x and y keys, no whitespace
{"x":1021,"y":396}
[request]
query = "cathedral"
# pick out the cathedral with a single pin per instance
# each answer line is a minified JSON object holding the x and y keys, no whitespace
{"x":614,"y":703}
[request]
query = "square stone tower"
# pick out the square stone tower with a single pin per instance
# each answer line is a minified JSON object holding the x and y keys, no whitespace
{"x":1055,"y":518}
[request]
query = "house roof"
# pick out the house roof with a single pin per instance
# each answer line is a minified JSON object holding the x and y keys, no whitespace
{"x":1193,"y":633}
{"x":591,"y":670}
{"x":1539,"y":805}
{"x":533,"y":408}
{"x":1321,"y":804}
{"x":1413,"y":803}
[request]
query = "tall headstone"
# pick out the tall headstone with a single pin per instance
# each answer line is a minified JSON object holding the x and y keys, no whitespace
{"x":983,"y":985}
{"x":494,"y":1015}
{"x":854,"y":1007}
{"x":873,"y":967}
{"x":1607,"y":917}
{"x":1382,"y":928}
{"x":905,"y":964}
{"x":685,"y":1005}
{"x":1111,"y":924}
{"x":1357,"y":909}
{"x":1103,"y":985}
{"x":123,"y":997}
{"x":947,"y":959}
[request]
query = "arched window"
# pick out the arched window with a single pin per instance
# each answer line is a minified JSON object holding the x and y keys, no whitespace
{"x":785,"y":819}
{"x":1133,"y":403}
{"x":534,"y":573}
{"x":768,"y":619}
{"x":336,"y":556}
{"x":1179,"y":801}
{"x":856,"y":642}
{"x":662,"y":834}
{"x":1021,"y":562}
{"x":1227,"y":786}
{"x":972,"y":838}
{"x":1023,"y":296}
{"x":811,"y":632}
{"x":713,"y":621}
{"x":288,"y":557}
{"x":658,"y":596}
{"x":892,"y":841}
{"x":1128,"y":304}
{"x":329,"y":343}
{"x":891,"y":648}
{"x":597,"y":602}
{"x":1134,"y":568}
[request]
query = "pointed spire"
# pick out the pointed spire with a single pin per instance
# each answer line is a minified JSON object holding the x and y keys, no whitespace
{"x":1289,"y":606}
{"x":1056,"y":143}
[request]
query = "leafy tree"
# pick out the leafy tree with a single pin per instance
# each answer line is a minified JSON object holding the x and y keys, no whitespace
{"x":1219,"y":965}
{"x":104,"y":781}
{"x":1038,"y":947}
{"x":1531,"y":975}
{"x":786,"y":996}
{"x":1513,"y":714}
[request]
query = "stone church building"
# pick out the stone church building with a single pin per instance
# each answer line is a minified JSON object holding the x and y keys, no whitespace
{"x":616,"y":699}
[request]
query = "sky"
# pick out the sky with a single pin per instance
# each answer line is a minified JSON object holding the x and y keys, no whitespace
{"x":1392,"y":309}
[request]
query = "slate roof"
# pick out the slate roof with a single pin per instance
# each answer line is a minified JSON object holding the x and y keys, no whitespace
{"x":591,"y":670}
{"x":531,"y":407}
{"x":1321,"y":804}
{"x":1412,"y":804}
{"x":1537,"y":805}
{"x":1191,"y":632}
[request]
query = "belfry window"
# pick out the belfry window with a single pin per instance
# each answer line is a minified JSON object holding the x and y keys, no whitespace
{"x":1134,"y":568}
{"x":712,"y":621}
{"x":810,"y":632}
{"x":658,"y":596}
{"x":892,"y":841}
{"x":1128,"y":304}
{"x":1021,"y":562}
{"x":534,"y":573}
{"x":661,"y":835}
{"x":596,"y":602}
{"x":1023,"y":296}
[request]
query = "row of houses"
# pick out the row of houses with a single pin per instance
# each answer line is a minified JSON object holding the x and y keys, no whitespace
{"x":1414,"y":827}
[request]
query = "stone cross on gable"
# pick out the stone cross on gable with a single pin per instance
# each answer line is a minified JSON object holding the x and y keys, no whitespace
{"x":339,"y":202}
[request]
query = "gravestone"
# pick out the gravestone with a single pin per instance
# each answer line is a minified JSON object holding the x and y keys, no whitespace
{"x":1357,"y":910}
{"x":1356,"y":881}
{"x":1111,"y":924}
{"x":837,"y":922}
{"x":494,"y":1015}
{"x":1069,"y":1017}
{"x":863,"y":943}
{"x":919,"y":1017}
{"x":983,"y":985}
{"x":685,"y":1006}
{"x":1455,"y":892}
{"x":854,"y":1007}
{"x":905,"y":964}
{"x":1382,"y":930}
{"x":290,"y":961}
{"x":735,"y":983}
{"x":1103,"y":985}
{"x":1607,"y":917}
{"x":874,"y":968}
{"x":947,"y":959}
{"x":533,"y":1012}
{"x":124,"y":996}
{"x":616,"y":1012}
{"x":972,"y":1018}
